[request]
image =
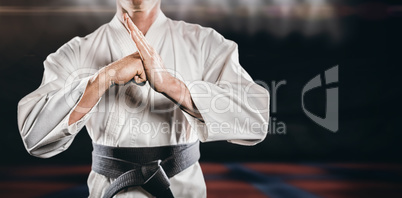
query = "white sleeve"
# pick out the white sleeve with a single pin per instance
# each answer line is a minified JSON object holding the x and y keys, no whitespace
{"x":43,"y":114}
{"x":233,"y":106}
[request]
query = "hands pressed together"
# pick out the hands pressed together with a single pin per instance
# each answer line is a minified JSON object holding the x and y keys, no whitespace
{"x":144,"y":65}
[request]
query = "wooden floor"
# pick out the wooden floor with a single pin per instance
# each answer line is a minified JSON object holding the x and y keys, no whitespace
{"x":274,"y":180}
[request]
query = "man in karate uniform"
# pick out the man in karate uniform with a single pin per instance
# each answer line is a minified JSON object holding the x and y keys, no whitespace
{"x":178,"y":84}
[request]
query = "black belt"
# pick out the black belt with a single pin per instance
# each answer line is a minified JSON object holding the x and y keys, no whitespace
{"x":148,"y":167}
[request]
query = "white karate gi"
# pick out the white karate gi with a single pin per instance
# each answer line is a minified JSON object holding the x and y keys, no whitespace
{"x":233,"y":107}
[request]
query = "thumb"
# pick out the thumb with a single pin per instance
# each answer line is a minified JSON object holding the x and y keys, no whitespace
{"x":140,"y":79}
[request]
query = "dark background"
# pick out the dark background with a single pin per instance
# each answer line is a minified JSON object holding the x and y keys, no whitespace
{"x":359,"y":36}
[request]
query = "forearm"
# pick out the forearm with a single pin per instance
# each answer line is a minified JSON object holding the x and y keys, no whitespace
{"x":178,"y":92}
{"x":95,"y":89}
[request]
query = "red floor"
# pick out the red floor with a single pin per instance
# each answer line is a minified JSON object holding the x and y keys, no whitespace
{"x":234,"y":180}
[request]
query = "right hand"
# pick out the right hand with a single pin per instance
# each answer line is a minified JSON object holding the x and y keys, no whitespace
{"x":126,"y":69}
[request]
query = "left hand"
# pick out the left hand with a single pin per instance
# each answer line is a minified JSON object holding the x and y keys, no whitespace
{"x":154,"y":68}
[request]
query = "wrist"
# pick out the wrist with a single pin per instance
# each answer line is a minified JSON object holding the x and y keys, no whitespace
{"x":170,"y":84}
{"x":103,"y":80}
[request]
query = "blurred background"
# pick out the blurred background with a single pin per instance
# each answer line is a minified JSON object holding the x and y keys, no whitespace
{"x":283,"y":43}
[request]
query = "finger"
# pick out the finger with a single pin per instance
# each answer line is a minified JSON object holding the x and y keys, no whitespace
{"x":138,"y":38}
{"x":139,"y":52}
{"x":125,"y":22}
{"x":141,"y":43}
{"x":143,"y":76}
{"x":142,"y":49}
{"x":133,"y":27}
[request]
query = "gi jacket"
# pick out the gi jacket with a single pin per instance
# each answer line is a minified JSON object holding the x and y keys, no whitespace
{"x":234,"y":108}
